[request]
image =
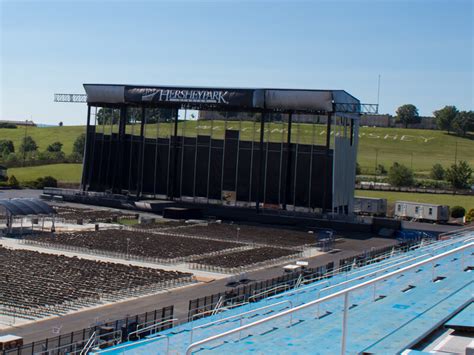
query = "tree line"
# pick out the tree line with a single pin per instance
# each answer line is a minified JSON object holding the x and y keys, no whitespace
{"x":28,"y":152}
{"x":449,"y":118}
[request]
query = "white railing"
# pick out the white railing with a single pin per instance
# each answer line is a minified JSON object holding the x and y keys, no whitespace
{"x":275,"y":289}
{"x":90,"y":342}
{"x":151,"y":327}
{"x":345,"y":293}
{"x":240,"y":316}
{"x":214,"y":311}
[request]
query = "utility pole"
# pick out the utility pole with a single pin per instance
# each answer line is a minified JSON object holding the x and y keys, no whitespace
{"x":378,"y":92}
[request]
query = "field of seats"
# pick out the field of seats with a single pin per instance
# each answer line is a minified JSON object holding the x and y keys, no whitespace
{"x":90,"y":215}
{"x":389,"y":305}
{"x":215,"y":247}
{"x":35,"y":285}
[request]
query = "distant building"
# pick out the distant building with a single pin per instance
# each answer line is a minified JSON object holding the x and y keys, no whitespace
{"x":19,"y":123}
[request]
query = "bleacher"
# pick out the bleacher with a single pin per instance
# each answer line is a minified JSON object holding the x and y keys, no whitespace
{"x":384,"y":307}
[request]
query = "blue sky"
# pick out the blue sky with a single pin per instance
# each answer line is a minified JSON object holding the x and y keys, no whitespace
{"x":423,"y":49}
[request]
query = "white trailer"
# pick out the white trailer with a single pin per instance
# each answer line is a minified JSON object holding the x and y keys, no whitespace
{"x":421,"y":211}
{"x":370,"y":206}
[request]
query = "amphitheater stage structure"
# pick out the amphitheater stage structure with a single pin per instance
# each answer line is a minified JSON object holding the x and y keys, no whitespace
{"x":162,"y":143}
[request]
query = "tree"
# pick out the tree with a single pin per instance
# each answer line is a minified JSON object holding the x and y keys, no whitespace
{"x":380,"y":170}
{"x":28,"y":144}
{"x":400,"y":175}
{"x":464,"y":122}
{"x":445,"y":117}
{"x":358,"y":169}
{"x":458,"y":212}
{"x":407,"y":114}
{"x":107,"y":116}
{"x":437,"y":172}
{"x":6,"y":147}
{"x":13,"y":182}
{"x":55,"y":147}
{"x":60,"y":123}
{"x":79,"y":144}
{"x":459,"y":175}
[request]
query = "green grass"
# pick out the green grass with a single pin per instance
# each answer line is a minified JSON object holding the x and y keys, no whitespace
{"x":415,"y":148}
{"x":44,"y":136}
{"x":67,"y":173}
{"x":451,"y":200}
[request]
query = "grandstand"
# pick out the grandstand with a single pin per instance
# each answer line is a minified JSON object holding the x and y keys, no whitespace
{"x":384,"y":307}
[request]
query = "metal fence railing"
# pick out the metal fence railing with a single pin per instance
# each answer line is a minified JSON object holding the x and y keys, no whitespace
{"x":74,"y":342}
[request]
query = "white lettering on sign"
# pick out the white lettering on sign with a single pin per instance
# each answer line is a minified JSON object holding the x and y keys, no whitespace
{"x":197,"y":96}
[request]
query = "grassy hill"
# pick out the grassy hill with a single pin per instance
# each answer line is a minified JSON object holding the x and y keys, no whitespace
{"x":66,"y":173}
{"x":44,"y":136}
{"x":419,"y":149}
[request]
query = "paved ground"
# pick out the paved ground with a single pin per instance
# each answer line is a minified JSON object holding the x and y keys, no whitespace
{"x":177,"y":297}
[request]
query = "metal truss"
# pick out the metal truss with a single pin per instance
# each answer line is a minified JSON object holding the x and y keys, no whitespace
{"x":75,"y":98}
{"x":338,"y":106}
{"x":356,"y":108}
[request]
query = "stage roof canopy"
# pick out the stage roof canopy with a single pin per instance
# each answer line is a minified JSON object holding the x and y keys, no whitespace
{"x":26,"y":206}
{"x":222,"y":99}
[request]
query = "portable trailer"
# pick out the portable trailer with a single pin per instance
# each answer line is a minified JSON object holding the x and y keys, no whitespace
{"x":421,"y":211}
{"x":370,"y":206}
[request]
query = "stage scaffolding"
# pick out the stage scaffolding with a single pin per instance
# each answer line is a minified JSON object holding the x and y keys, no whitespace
{"x":233,"y":154}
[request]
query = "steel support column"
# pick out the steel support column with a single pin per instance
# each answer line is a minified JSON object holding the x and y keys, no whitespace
{"x":174,"y":157}
{"x":117,"y":180}
{"x":141,"y":154}
{"x":289,"y":158}
{"x":85,"y":158}
{"x":326,"y":161}
{"x":260,"y":163}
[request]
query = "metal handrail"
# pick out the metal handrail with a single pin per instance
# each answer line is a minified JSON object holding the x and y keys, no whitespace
{"x":224,"y":308}
{"x":89,"y":344}
{"x":394,"y":262}
{"x":329,"y":297}
{"x":238,"y":315}
{"x":285,"y":287}
{"x":138,"y":331}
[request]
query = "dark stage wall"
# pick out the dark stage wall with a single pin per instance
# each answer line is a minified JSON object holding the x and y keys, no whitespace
{"x":204,"y":167}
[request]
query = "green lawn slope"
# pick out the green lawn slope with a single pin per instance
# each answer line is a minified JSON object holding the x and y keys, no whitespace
{"x":416,"y":148}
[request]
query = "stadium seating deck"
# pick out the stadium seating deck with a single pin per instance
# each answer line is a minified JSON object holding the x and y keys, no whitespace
{"x":386,"y":318}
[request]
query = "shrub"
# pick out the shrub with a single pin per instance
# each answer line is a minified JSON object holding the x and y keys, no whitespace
{"x":380,"y":170}
{"x":79,"y":143}
{"x":358,"y":170}
{"x":47,"y":181}
{"x":6,"y":147}
{"x":458,"y":212}
{"x":55,"y":147}
{"x":400,"y":175}
{"x":470,"y":215}
{"x":13,"y":182}
{"x":459,"y":175}
{"x":7,"y":125}
{"x":28,"y":144}
{"x":437,"y":172}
